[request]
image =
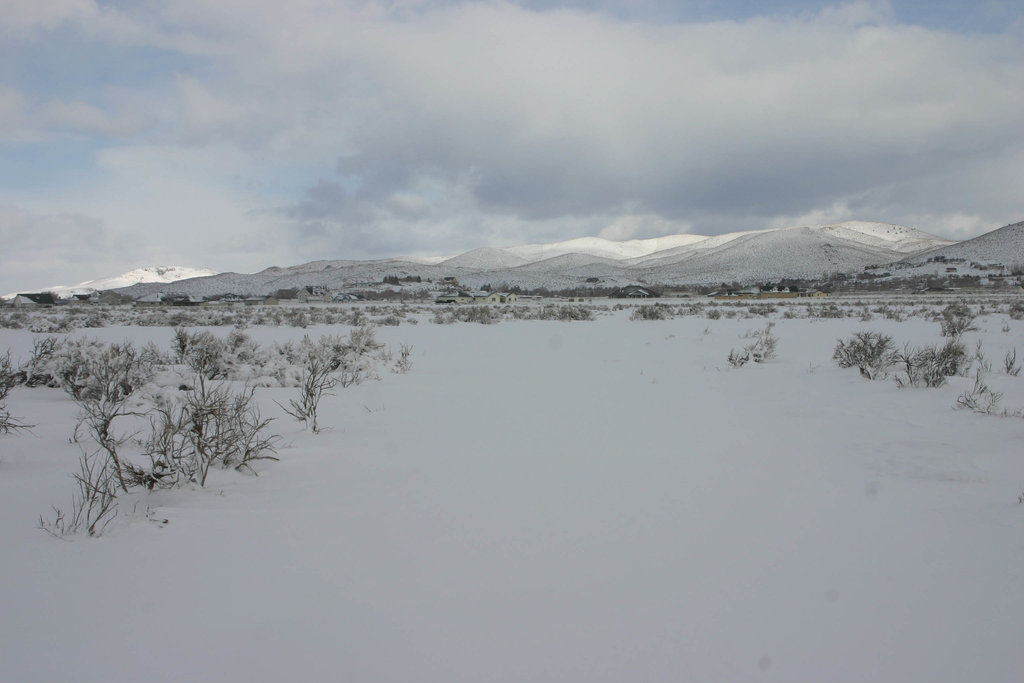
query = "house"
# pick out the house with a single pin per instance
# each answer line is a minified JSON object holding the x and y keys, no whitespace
{"x":463,"y":297}
{"x":637,"y":292}
{"x":312,"y":293}
{"x":500,"y":298}
{"x":455,"y":297}
{"x":154,"y":299}
{"x":779,"y":292}
{"x":261,"y":301}
{"x":111,"y":298}
{"x":186,"y":300}
{"x":748,"y":293}
{"x":34,"y":300}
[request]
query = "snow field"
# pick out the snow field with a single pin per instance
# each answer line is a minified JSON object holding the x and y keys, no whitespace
{"x":536,"y":500}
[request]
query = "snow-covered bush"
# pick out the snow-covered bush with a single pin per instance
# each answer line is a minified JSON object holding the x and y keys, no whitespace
{"x":957,"y":318}
{"x":317,"y":379}
{"x":1010,"y":366}
{"x":738,"y":359}
{"x":101,"y":379}
{"x":980,"y":399}
{"x":90,"y":370}
{"x":763,"y":347}
{"x":202,"y":352}
{"x":474,"y":313}
{"x":652,"y":312}
{"x":1016,"y":310}
{"x":39,"y":370}
{"x":873,"y":353}
{"x":330,"y":362}
{"x":567,"y":312}
{"x":14,"y":321}
{"x":404,"y":362}
{"x":929,"y":366}
{"x":94,"y":504}
{"x":9,"y":378}
{"x":210,"y":425}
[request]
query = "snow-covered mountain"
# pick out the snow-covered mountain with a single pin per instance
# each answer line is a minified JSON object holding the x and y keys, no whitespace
{"x":151,"y":274}
{"x":752,"y":256}
{"x":997,"y":252}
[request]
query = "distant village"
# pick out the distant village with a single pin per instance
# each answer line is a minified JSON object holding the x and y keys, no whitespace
{"x":447,"y":291}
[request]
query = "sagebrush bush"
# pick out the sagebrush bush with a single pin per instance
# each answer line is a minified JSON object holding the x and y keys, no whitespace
{"x":202,"y":352}
{"x":873,"y":353}
{"x":651,"y":312}
{"x":9,"y":378}
{"x":980,"y":398}
{"x":930,"y":366}
{"x":763,"y":348}
{"x":210,"y":425}
{"x":90,"y":370}
{"x":94,"y":504}
{"x":330,"y":362}
{"x":957,"y":318}
{"x":1010,"y":366}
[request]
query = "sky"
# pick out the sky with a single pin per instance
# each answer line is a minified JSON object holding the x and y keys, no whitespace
{"x":240,"y":134}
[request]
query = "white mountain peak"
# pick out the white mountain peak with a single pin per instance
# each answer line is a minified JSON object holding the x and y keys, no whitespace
{"x":148,"y":274}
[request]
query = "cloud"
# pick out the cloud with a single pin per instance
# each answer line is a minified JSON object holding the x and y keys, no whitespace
{"x":41,"y":249}
{"x":566,"y":114}
{"x":284,"y":131}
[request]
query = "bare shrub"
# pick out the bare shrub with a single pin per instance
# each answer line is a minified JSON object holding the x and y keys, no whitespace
{"x":241,"y":346}
{"x":873,"y":353}
{"x":980,"y":398}
{"x":9,"y":378}
{"x":763,"y":348}
{"x":1010,"y":366}
{"x":223,"y":427}
{"x":101,"y":382}
{"x":202,"y":352}
{"x":91,"y":370}
{"x":331,"y":362}
{"x":929,"y":366}
{"x":738,"y":359}
{"x":404,"y":362}
{"x":211,"y":425}
{"x":94,"y":504}
{"x":318,"y":379}
{"x":651,"y":312}
{"x":984,"y":364}
{"x":567,"y":312}
{"x":957,"y":318}
{"x":37,"y":368}
{"x":765,"y":345}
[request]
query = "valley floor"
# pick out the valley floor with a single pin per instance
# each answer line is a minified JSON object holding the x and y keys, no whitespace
{"x":605,"y":500}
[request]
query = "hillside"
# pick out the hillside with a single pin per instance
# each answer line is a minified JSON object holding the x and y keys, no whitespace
{"x":752,"y":256}
{"x":151,"y":274}
{"x":999,"y":252}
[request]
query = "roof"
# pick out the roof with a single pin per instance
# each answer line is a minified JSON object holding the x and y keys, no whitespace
{"x":41,"y":298}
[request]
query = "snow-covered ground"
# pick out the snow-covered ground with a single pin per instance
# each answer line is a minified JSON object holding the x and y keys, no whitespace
{"x":549,"y":501}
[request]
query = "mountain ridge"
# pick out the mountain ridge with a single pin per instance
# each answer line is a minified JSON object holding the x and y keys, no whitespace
{"x":751,"y":256}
